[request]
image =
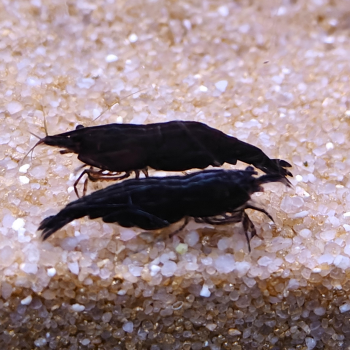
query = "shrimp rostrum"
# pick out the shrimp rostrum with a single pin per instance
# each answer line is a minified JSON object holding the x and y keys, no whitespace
{"x":170,"y":146}
{"x":215,"y":197}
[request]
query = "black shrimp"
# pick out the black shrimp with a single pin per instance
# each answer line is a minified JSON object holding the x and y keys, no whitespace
{"x":121,"y":149}
{"x":215,"y":197}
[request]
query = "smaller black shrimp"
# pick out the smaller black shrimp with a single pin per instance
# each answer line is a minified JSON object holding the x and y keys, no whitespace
{"x":215,"y":197}
{"x":170,"y":146}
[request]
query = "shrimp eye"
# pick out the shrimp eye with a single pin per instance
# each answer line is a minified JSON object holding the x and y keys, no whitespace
{"x":79,"y":127}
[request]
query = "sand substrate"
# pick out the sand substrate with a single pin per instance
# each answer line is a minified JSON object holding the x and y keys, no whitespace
{"x":272,"y":73}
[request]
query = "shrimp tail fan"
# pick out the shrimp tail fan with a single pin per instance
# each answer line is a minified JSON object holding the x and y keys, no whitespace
{"x":53,"y":223}
{"x":273,"y":178}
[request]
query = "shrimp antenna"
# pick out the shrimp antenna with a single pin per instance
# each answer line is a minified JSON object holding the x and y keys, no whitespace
{"x":32,"y":149}
{"x":45,"y":121}
{"x":111,"y":106}
{"x":41,"y":108}
{"x":40,"y":139}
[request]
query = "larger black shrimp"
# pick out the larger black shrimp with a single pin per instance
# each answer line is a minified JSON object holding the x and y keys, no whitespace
{"x":171,"y":146}
{"x":214,"y":196}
